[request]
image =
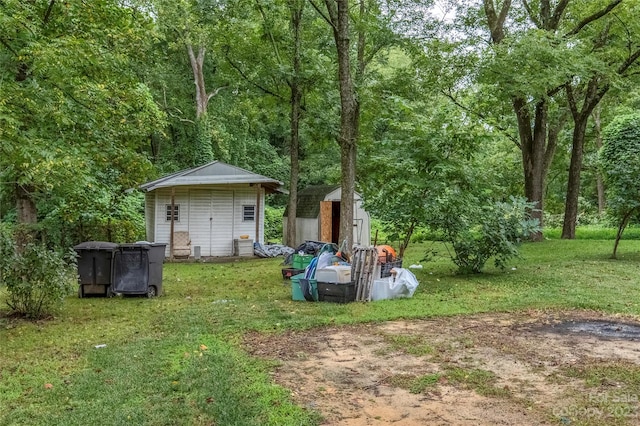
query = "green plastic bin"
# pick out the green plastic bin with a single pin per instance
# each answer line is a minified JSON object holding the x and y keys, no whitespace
{"x":301,"y":261}
{"x":296,"y":290}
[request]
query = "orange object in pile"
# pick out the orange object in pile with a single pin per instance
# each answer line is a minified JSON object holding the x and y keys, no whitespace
{"x":386,"y":254}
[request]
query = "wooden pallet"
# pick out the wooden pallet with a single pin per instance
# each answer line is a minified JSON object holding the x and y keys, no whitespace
{"x":363,"y":266}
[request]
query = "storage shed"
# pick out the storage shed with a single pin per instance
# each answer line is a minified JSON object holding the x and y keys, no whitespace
{"x":318,"y":216}
{"x":212,"y":205}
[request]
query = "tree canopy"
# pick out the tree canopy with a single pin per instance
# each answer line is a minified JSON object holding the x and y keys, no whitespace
{"x":410,"y":103}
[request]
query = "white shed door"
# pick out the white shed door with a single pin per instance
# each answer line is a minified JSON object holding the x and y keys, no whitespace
{"x":211,"y":221}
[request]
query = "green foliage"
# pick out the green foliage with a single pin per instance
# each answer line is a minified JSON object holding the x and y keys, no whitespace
{"x":273,"y":224}
{"x":37,"y":278}
{"x":116,"y":217}
{"x":620,"y":161}
{"x":529,"y":63}
{"x":478,"y":233}
{"x":75,"y":116}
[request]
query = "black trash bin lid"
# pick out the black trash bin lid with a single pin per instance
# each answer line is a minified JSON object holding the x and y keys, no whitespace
{"x":133,"y":246}
{"x":96,"y":245}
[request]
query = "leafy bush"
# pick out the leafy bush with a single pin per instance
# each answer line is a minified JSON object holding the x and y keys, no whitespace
{"x":36,"y":277}
{"x":273,"y":224}
{"x":110,"y":217}
{"x":620,"y":161}
{"x":479,"y":233}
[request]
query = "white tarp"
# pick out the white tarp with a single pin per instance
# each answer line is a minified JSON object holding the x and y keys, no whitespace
{"x":401,"y":284}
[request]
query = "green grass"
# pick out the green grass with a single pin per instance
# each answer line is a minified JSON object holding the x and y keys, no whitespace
{"x":613,"y":392}
{"x":594,"y":232}
{"x":481,"y":381}
{"x":412,"y":345}
{"x":154,"y":370}
{"x":415,"y":384}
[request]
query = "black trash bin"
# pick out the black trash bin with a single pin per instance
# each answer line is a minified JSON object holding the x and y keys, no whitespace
{"x":137,"y":269}
{"x":95,"y":268}
{"x":156,"y":260}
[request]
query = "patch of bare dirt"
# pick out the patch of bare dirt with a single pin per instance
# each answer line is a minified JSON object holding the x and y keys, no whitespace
{"x":353,"y":375}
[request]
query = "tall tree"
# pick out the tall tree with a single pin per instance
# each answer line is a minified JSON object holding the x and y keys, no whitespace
{"x":338,"y":17}
{"x":537,"y":139}
{"x":296,"y":8}
{"x":620,"y":160}
{"x":72,"y":106}
{"x":611,"y":37}
{"x":192,"y":25}
{"x":556,"y":49}
{"x":370,"y":35}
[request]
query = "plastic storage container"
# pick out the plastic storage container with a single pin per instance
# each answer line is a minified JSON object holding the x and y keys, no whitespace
{"x":296,"y":289}
{"x":334,"y":274}
{"x":336,"y":293}
{"x":301,"y":261}
{"x":385,"y":268}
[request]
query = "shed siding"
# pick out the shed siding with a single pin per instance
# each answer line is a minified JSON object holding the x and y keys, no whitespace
{"x":212,"y":216}
{"x":199,"y":223}
{"x":222,"y":223}
{"x":307,"y":228}
{"x":163,"y":227}
{"x":247,"y":198}
{"x":150,"y":216}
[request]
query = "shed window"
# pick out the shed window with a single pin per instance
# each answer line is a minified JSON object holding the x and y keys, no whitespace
{"x":176,"y":212}
{"x":248,"y":213}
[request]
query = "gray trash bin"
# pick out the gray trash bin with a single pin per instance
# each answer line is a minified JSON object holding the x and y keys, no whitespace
{"x":137,"y":269}
{"x":95,"y":268}
{"x":156,"y":260}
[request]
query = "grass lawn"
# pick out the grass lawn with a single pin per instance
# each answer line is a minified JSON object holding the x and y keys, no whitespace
{"x":177,"y":359}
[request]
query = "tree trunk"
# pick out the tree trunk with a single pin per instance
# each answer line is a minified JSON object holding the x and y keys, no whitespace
{"x":204,"y":150}
{"x":27,"y":215}
{"x":349,"y":116}
{"x":599,"y":179}
{"x":348,"y":176}
{"x":621,"y":227}
{"x":294,"y":147}
{"x":197,"y":63}
{"x":593,"y":95}
{"x":573,"y":184}
{"x":533,"y":145}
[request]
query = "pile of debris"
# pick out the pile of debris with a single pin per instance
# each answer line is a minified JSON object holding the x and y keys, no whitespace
{"x":323,"y":272}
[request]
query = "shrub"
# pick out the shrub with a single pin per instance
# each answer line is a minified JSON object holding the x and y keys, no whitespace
{"x":273,"y":224}
{"x":479,"y":233}
{"x":37,"y":278}
{"x":620,"y":161}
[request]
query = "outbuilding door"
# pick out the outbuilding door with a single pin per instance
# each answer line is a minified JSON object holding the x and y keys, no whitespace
{"x":329,"y":221}
{"x":211,"y":221}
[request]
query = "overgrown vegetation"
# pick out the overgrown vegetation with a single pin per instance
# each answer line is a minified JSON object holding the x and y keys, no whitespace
{"x":620,"y":160}
{"x":478,"y":233}
{"x":37,"y":279}
{"x":273,"y":224}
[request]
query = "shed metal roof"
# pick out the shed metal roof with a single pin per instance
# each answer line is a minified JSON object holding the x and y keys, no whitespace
{"x":214,"y":173}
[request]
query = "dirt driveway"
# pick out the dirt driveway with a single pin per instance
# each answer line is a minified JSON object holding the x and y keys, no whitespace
{"x":496,"y":369}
